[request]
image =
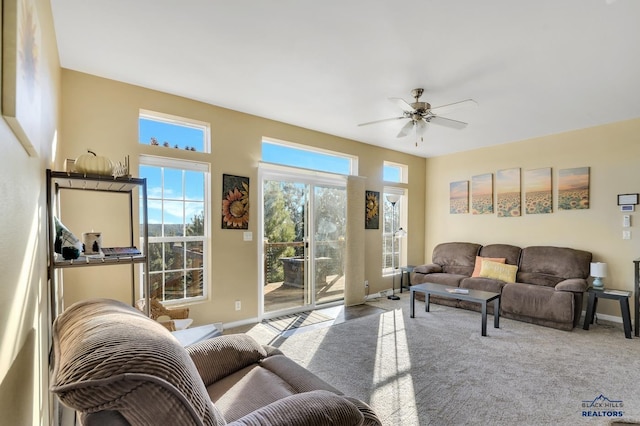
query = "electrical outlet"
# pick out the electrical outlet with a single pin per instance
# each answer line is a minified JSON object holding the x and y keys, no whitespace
{"x":366,"y":283}
{"x":626,"y":235}
{"x":238,"y":305}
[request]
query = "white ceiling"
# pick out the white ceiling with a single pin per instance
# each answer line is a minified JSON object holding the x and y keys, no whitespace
{"x":534,"y":67}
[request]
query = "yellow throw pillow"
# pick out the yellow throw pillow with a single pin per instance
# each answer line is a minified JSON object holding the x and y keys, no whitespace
{"x":476,"y":269}
{"x":498,"y":271}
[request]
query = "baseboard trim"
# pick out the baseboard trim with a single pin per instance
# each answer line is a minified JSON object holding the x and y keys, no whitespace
{"x":605,"y":317}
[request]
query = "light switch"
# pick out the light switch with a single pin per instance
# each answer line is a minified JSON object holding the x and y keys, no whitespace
{"x":626,"y":221}
{"x":626,"y":235}
{"x":248,"y":236}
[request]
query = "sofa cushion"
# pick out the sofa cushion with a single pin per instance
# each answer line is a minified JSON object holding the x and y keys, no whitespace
{"x":451,"y":280}
{"x":109,"y":356}
{"x":534,"y":301}
{"x":456,"y":258}
{"x":509,"y":252}
{"x":547,"y":266}
{"x":498,"y":271}
{"x":483,"y":284}
{"x":479,"y":259}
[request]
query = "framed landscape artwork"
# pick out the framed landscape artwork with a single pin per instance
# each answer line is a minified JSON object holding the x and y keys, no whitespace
{"x":537,"y":196}
{"x":573,"y":188}
{"x":22,"y":76}
{"x":482,"y":194}
{"x":372,"y":210}
{"x":459,"y":197}
{"x":509,"y":195}
{"x":235,"y":202}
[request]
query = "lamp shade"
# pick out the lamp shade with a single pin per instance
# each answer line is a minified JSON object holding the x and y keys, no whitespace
{"x":598,"y":269}
{"x":401,"y":233}
{"x":393,"y":198}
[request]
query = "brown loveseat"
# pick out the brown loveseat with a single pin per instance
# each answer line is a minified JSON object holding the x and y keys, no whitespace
{"x":115,"y":366}
{"x":548,"y":288}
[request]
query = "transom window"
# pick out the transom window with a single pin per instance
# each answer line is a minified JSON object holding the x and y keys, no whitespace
{"x":395,"y":172}
{"x":173,"y":132}
{"x":289,"y":154}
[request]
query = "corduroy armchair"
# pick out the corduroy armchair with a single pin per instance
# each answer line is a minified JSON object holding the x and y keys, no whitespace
{"x":116,"y":366}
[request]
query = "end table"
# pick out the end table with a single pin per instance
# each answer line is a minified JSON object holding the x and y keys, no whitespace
{"x":405,"y":270}
{"x":621,"y":295}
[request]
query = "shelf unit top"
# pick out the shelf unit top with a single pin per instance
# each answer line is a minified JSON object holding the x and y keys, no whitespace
{"x":95,"y":182}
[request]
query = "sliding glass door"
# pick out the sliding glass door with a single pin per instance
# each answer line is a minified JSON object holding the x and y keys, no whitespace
{"x":304,"y":224}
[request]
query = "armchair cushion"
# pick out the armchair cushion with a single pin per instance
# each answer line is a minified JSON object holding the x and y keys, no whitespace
{"x":310,"y":408}
{"x":223,"y":355}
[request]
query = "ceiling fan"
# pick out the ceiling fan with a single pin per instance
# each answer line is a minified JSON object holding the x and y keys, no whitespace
{"x":420,"y":113}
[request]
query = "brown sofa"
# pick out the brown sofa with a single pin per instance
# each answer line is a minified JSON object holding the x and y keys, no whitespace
{"x":548,"y":289}
{"x":115,"y":366}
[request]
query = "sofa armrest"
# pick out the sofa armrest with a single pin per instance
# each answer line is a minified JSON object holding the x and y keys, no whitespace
{"x":428,"y":269}
{"x":221,"y":356}
{"x":303,"y":409}
{"x":577,"y":285}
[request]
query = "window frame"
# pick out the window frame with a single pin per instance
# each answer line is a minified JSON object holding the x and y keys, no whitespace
{"x":353,"y":160}
{"x":185,"y":165}
{"x":402,"y":210}
{"x":403,"y":171}
{"x":178,"y":121}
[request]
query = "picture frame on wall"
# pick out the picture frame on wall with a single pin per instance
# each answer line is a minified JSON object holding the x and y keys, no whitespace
{"x":573,"y":188}
{"x":538,"y":197}
{"x":508,"y":193}
{"x":482,"y":194}
{"x":235,"y":202}
{"x":459,"y":197}
{"x":372,"y":210}
{"x":22,"y":82}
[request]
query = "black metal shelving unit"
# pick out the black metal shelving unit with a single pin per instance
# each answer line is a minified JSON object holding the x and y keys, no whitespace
{"x":59,"y":181}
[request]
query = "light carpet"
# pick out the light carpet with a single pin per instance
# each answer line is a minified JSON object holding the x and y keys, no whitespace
{"x":436,"y":369}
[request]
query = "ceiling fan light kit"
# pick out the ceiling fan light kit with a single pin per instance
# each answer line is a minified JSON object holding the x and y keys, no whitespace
{"x":420,"y":113}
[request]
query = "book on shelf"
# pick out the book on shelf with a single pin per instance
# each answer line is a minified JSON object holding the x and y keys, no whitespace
{"x":121,"y":251}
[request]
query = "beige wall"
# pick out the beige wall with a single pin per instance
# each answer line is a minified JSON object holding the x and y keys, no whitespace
{"x":24,"y":395}
{"x":102,"y":115}
{"x":612,"y":152}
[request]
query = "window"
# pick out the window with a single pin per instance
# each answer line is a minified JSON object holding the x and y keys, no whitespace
{"x":173,"y":132}
{"x":395,"y":172}
{"x":394,"y":222}
{"x":178,"y":228}
{"x":177,"y":209}
{"x":288,"y":154}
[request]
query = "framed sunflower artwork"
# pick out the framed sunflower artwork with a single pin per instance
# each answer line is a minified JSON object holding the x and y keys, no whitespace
{"x":235,"y":202}
{"x":372,"y":210}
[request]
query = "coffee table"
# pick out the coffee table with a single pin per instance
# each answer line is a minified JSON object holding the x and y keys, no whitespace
{"x":482,"y":297}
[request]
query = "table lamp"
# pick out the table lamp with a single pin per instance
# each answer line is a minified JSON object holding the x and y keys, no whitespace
{"x":598,"y":271}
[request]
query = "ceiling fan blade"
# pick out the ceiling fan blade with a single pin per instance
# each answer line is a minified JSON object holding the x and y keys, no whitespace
{"x":381,"y":121}
{"x":444,"y":109}
{"x":447,"y":122}
{"x":404,"y":105}
{"x":405,"y":129}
